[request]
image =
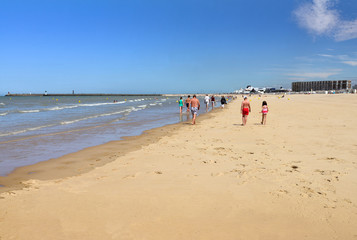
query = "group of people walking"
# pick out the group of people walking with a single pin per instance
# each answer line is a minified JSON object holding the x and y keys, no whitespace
{"x":191,"y":103}
{"x":194,"y":105}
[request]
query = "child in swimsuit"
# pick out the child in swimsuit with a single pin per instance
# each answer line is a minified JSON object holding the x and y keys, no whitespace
{"x":264,"y":112}
{"x":181,"y":104}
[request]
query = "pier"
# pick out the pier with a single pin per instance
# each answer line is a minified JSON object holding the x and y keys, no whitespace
{"x":74,"y":95}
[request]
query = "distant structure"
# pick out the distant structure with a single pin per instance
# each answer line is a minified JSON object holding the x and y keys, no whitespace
{"x":321,"y":85}
{"x":261,"y":90}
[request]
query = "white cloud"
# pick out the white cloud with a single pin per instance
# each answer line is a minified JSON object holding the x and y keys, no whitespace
{"x":319,"y":18}
{"x":352,"y":63}
{"x":314,"y":74}
{"x":347,"y":30}
{"x":324,"y":55}
{"x":297,"y":79}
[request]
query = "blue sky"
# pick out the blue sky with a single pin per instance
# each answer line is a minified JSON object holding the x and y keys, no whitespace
{"x":162,"y":46}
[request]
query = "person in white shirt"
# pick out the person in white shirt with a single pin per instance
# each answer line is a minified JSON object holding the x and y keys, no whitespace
{"x":206,"y":102}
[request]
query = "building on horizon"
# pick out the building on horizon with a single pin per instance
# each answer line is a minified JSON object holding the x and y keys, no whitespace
{"x":321,"y":85}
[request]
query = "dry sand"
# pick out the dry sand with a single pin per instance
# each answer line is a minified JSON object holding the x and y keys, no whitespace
{"x":295,"y":178}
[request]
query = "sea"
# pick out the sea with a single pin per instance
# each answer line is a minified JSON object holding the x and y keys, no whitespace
{"x":39,"y":128}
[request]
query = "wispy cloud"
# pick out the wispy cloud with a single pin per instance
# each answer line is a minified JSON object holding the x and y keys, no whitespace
{"x":345,"y":59}
{"x":346,"y":30}
{"x":352,"y":63}
{"x":320,"y":18}
{"x":319,"y":75}
{"x":297,"y":78}
{"x":325,"y":55}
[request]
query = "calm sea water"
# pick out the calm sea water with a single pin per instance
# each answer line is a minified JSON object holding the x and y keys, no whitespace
{"x":34,"y":129}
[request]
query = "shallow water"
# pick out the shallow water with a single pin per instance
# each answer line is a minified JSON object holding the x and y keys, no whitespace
{"x":35,"y":129}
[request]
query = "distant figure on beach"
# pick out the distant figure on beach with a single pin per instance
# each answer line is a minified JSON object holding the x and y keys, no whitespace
{"x":223,"y":101}
{"x":207,"y":102}
{"x":213,"y":101}
{"x":245,"y":109}
{"x":188,"y":100}
{"x":181,"y":104}
{"x":264,"y":112}
{"x":195,"y":106}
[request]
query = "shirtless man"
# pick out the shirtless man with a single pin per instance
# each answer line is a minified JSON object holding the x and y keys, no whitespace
{"x":195,"y":106}
{"x":245,"y":110}
{"x":188,"y":100}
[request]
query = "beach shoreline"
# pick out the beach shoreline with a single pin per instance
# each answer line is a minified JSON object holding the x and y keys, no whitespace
{"x":87,"y":159}
{"x":293,"y":178}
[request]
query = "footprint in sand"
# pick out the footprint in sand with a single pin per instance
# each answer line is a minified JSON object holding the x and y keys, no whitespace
{"x":328,"y":172}
{"x":307,"y":191}
{"x":219,"y":148}
{"x":240,"y":173}
{"x":217,"y":174}
{"x":210,"y":162}
{"x":284,"y":191}
{"x":101,"y":177}
{"x":334,"y":159}
{"x":132,"y":176}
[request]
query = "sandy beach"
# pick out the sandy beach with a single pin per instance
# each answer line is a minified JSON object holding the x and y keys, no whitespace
{"x":294,"y":178}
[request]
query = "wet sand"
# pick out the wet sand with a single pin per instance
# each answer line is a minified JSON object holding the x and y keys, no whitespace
{"x":294,"y":178}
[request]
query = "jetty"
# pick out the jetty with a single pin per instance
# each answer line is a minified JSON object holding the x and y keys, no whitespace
{"x":73,"y":95}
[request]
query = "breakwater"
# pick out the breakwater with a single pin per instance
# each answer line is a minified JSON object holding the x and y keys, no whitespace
{"x":77,"y":94}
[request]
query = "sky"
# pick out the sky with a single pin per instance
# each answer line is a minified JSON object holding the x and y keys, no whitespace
{"x":173,"y":46}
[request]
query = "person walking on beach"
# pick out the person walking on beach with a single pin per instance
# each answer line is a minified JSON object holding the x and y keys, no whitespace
{"x":245,"y":110}
{"x":195,"y":106}
{"x":181,"y":104}
{"x":207,"y":102}
{"x":213,"y":101}
{"x":223,"y":101}
{"x":264,"y":112}
{"x":188,"y":100}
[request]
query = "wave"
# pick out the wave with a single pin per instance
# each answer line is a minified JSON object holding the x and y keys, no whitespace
{"x":3,"y":114}
{"x":67,"y":122}
{"x":82,"y":105}
{"x":2,"y":104}
{"x":24,"y":130}
{"x":132,"y":109}
{"x":95,"y":116}
{"x":29,"y":111}
{"x":99,"y":104}
{"x":59,"y":108}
